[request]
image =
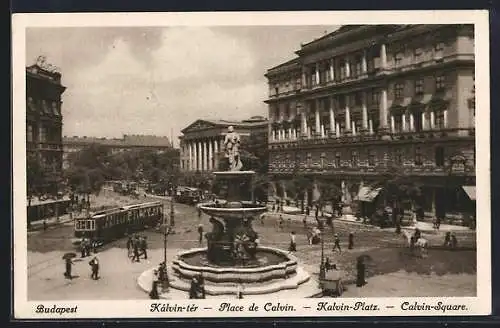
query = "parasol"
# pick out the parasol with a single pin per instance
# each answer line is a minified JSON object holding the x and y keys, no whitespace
{"x":68,"y":256}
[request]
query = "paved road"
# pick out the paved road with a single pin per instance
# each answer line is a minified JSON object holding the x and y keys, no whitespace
{"x":45,"y":248}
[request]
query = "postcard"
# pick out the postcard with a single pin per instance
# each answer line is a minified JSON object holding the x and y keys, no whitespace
{"x":251,"y":164}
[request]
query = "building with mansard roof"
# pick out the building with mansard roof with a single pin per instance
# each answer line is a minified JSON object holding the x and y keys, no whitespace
{"x":203,"y":140}
{"x":44,"y":120}
{"x":367,"y":100}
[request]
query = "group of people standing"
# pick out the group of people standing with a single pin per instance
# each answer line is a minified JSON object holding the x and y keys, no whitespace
{"x":136,"y":247}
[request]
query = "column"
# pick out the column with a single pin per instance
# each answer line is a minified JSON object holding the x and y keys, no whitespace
{"x":432,"y":120}
{"x":364,"y":68}
{"x":322,"y":130}
{"x":190,"y":149}
{"x":304,"y":77}
{"x":210,"y":155}
{"x":353,"y":124}
{"x":332,"y":117}
{"x":337,"y":130}
{"x":445,"y":118}
{"x":403,"y":121}
{"x":216,"y":154}
{"x":317,"y":118}
{"x":332,"y":70}
{"x":412,"y":122}
{"x":383,"y":109}
{"x":424,"y":123}
{"x":365,"y":112}
{"x":347,"y":68}
{"x":347,"y":115}
{"x":303,"y":120}
{"x":433,"y":202}
{"x":383,"y":57}
{"x":270,"y":132}
{"x":317,"y":73}
{"x":393,"y":124}
{"x":290,"y":134}
{"x":370,"y":126}
{"x":198,"y":156}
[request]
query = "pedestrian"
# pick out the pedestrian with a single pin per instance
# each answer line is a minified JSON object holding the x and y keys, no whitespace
{"x":280,"y":222}
{"x":351,"y":241}
{"x":67,"y":273}
{"x":337,"y":244}
{"x":360,"y":277}
{"x":83,"y":249}
{"x":239,"y":291}
{"x":201,"y":287}
{"x":293,"y":244}
{"x":262,"y":218}
{"x":454,"y":241}
{"x":304,"y":221}
{"x":200,"y":233}
{"x":199,"y":213}
{"x":308,"y":210}
{"x":273,"y":208}
{"x":161,"y":272}
{"x":153,"y":294}
{"x":438,"y":222}
{"x":447,"y":239}
{"x":193,"y":288}
{"x":94,"y":264}
{"x":94,"y":246}
{"x":144,"y":247}
{"x":44,"y":225}
{"x":136,"y":251}
{"x":316,"y":213}
{"x":129,"y":246}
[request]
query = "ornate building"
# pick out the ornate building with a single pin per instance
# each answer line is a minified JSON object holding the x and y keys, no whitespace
{"x":44,"y":121}
{"x":116,"y":145}
{"x":204,"y":139}
{"x":366,"y":100}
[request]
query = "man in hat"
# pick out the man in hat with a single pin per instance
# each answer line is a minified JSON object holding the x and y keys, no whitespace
{"x":144,"y":247}
{"x":351,"y":241}
{"x":94,"y":264}
{"x":67,"y":273}
{"x":293,"y":244}
{"x":200,"y":233}
{"x":337,"y":244}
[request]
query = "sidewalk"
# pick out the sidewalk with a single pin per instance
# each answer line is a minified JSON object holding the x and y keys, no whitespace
{"x":427,"y":227}
{"x":51,"y":222}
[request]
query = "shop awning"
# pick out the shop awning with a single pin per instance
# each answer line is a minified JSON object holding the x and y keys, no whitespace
{"x":368,"y":194}
{"x":470,"y":191}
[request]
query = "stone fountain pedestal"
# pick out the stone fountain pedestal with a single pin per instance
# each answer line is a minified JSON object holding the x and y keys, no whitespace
{"x":233,"y":256}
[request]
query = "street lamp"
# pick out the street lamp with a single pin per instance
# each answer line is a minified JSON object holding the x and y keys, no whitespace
{"x":322,"y":269}
{"x":165,"y":282}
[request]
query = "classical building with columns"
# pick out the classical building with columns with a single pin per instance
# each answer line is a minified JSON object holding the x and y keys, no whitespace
{"x":203,"y":141}
{"x":367,"y":99}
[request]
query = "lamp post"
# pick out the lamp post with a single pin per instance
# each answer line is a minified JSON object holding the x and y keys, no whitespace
{"x":322,"y":269}
{"x":165,"y":282}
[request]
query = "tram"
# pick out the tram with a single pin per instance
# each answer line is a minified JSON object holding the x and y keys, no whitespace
{"x":109,"y":225}
{"x":47,"y":209}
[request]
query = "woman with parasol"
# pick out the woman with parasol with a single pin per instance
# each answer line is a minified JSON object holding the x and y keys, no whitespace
{"x":67,"y":258}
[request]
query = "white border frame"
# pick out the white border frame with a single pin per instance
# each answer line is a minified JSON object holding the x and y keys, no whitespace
{"x":479,"y":305}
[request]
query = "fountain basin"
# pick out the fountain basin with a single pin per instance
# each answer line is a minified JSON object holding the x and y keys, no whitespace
{"x":245,"y":211}
{"x":280,"y":266}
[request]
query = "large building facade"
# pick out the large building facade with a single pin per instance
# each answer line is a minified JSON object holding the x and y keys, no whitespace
{"x":116,"y":145}
{"x":44,"y":122}
{"x":370,"y":99}
{"x":203,"y":141}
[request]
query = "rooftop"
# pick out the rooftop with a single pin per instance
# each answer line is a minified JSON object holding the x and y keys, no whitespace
{"x":128,"y":140}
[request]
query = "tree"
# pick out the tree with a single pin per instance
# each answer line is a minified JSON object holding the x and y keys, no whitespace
{"x":329,"y":193}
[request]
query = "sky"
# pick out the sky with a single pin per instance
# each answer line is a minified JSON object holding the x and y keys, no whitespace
{"x":158,"y":80}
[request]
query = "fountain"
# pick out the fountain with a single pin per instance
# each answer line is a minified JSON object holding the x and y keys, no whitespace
{"x":233,"y":254}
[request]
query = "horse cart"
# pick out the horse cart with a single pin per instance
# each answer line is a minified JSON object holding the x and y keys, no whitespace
{"x":331,"y":283}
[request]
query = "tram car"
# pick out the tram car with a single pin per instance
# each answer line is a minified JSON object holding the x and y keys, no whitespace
{"x":105,"y":226}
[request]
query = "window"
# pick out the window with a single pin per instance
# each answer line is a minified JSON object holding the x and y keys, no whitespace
{"x":439,"y":47}
{"x":55,"y":108}
{"x":276,"y":90}
{"x":343,"y":72}
{"x":398,"y":59}
{"x":418,"y":156}
{"x":43,"y":134}
{"x":374,"y":97}
{"x":322,"y":160}
{"x":371,"y":157}
{"x":398,"y":157}
{"x":440,"y":82}
{"x":398,"y":123}
{"x":419,"y":86}
{"x":358,"y":99}
{"x":440,"y":122}
{"x":337,"y":159}
{"x":439,"y":156}
{"x":357,"y":67}
{"x":417,"y":54}
{"x":342,"y":101}
{"x":399,"y":90}
{"x":354,"y":158}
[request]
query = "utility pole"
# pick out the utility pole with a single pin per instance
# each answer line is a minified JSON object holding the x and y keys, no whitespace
{"x":165,"y":282}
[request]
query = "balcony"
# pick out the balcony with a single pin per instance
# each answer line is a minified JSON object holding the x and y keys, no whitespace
{"x":50,"y":146}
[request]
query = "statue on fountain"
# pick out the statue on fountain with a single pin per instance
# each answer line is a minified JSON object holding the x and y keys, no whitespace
{"x":232,"y":149}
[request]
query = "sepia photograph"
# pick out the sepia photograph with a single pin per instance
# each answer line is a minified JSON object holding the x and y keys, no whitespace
{"x":195,"y":166}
